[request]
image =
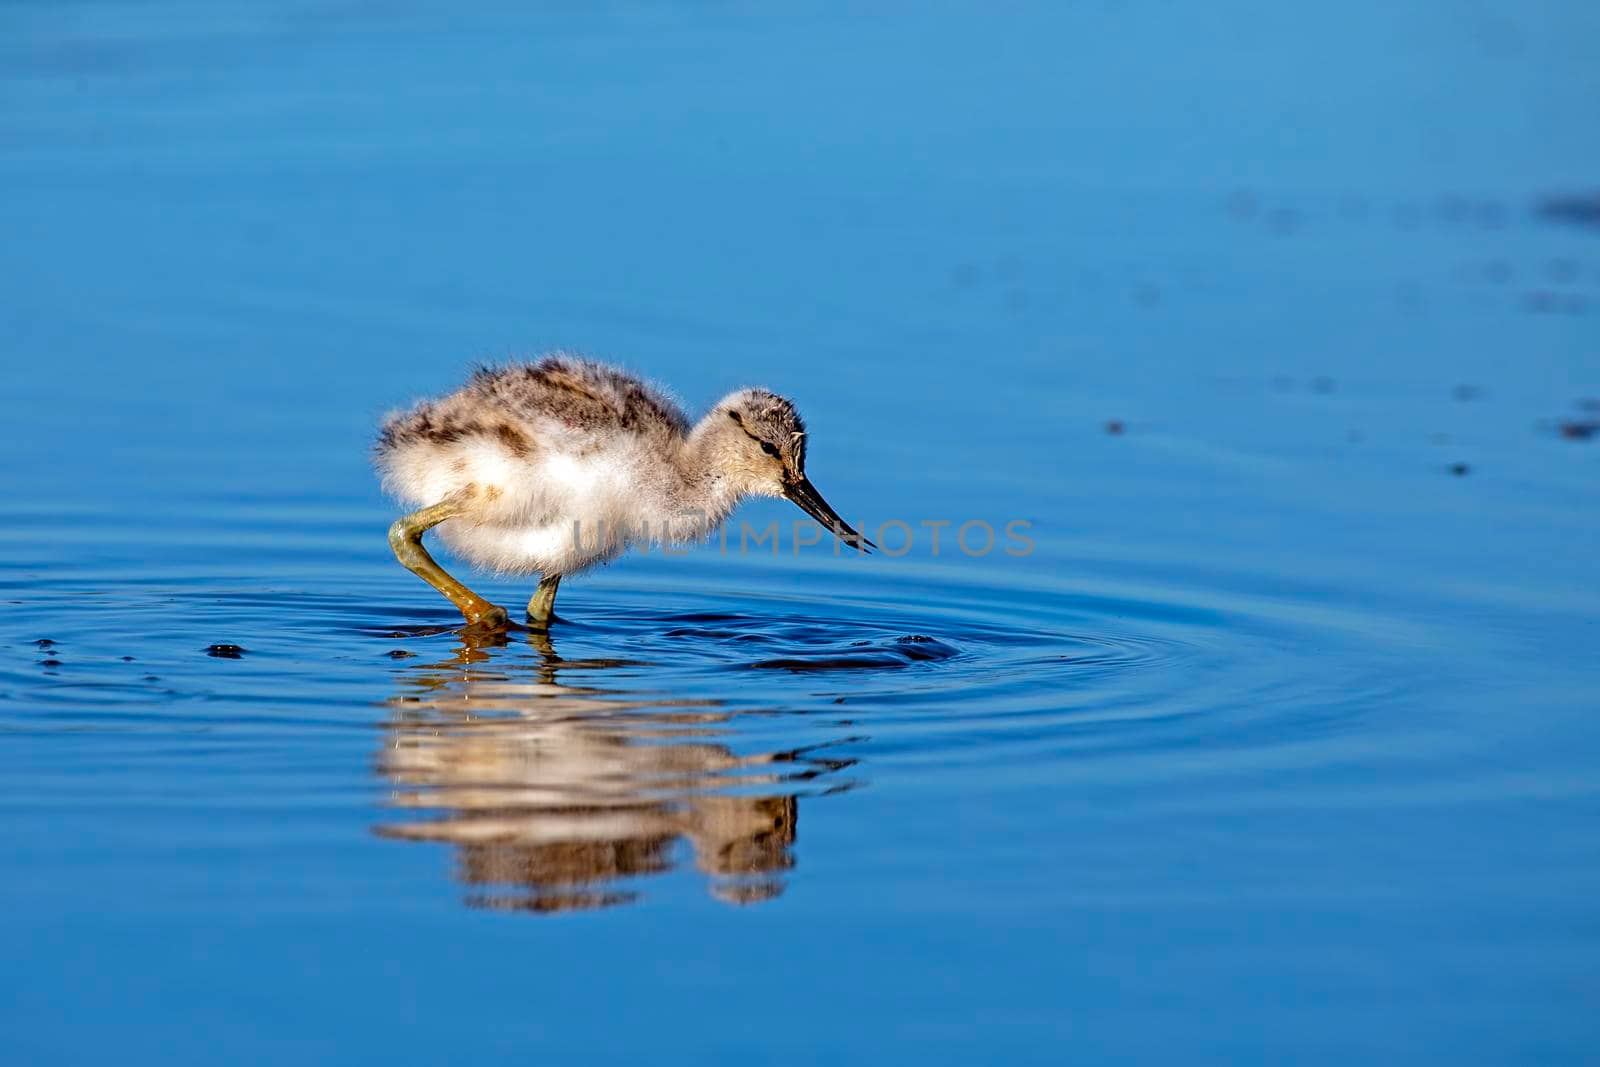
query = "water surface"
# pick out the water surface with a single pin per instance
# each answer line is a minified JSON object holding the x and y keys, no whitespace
{"x":1279,"y":742}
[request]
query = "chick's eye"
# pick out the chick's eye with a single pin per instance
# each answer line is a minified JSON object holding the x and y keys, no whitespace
{"x":770,"y":449}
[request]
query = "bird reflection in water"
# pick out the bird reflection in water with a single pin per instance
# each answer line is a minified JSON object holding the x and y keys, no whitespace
{"x":557,"y":796}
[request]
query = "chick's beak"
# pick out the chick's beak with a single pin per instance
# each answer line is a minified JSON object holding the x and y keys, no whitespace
{"x":800,"y":490}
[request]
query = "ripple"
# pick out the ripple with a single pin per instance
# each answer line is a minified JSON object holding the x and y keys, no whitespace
{"x":883,"y":654}
{"x":643,"y":736}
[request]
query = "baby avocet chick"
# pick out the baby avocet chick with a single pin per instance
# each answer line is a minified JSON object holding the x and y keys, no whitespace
{"x":554,"y":466}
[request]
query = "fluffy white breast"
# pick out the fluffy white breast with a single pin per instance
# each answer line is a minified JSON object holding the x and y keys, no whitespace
{"x":554,"y":512}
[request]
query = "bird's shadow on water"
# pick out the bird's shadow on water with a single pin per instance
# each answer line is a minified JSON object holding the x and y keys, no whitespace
{"x":560,"y":789}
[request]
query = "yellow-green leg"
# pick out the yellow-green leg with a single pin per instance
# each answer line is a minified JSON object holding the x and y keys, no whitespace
{"x":405,"y":537}
{"x":542,"y":605}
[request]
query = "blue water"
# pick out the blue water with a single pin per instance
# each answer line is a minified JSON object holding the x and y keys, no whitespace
{"x":1279,"y":745}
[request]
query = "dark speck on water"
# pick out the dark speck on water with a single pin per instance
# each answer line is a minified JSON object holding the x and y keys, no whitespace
{"x":1259,"y":741}
{"x":1552,"y":302}
{"x":1580,"y":208}
{"x":1579,"y":429}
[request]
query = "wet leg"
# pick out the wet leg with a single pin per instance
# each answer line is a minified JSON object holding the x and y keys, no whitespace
{"x":405,"y":537}
{"x":542,"y":605}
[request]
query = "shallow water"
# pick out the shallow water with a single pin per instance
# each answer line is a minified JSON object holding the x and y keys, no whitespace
{"x":1278,"y":743}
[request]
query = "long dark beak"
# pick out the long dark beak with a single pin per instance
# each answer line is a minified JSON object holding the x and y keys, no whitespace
{"x":803,"y":493}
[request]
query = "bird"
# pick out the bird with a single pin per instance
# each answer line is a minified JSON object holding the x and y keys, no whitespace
{"x":559,"y":464}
